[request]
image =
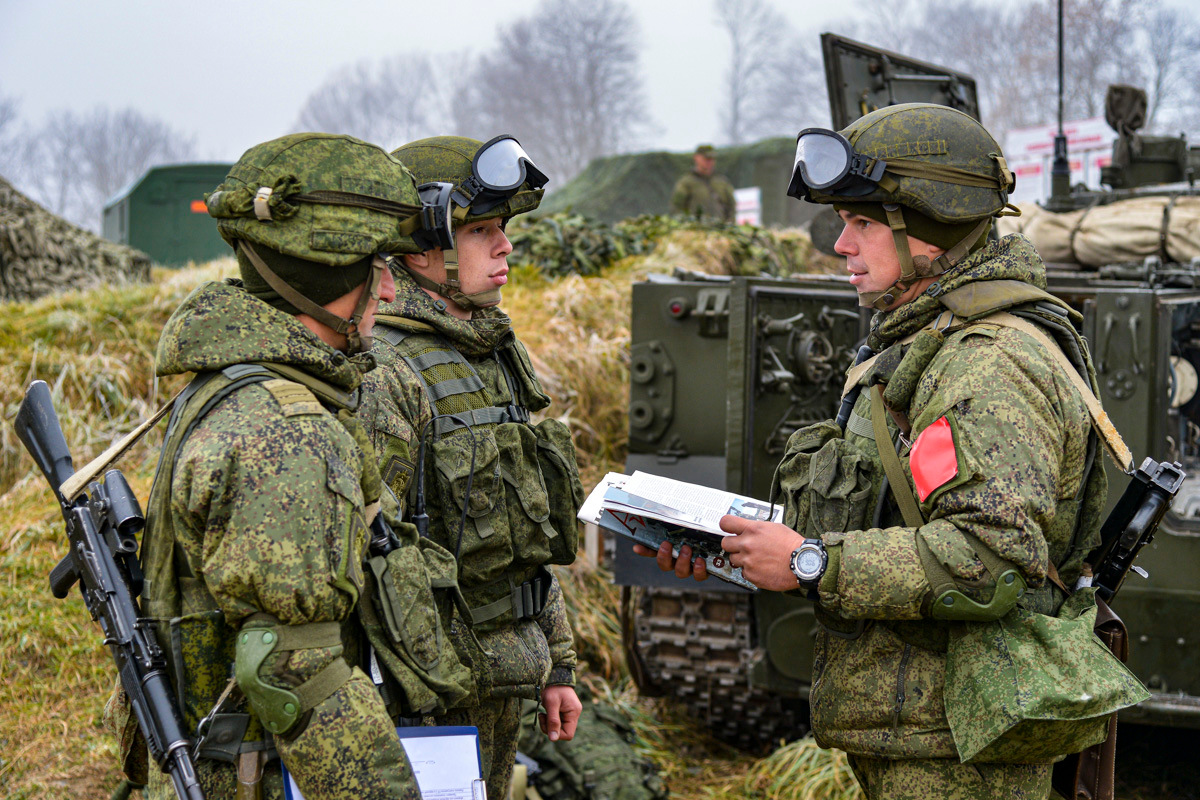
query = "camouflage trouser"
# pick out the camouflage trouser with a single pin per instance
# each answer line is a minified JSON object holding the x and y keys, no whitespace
{"x":499,"y":724}
{"x":947,"y":779}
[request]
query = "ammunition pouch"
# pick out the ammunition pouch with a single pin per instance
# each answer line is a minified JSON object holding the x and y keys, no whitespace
{"x":505,"y":601}
{"x":412,"y":601}
{"x":826,"y":482}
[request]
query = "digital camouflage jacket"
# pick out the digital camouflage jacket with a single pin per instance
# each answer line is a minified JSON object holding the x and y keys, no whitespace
{"x":706,"y":197}
{"x":263,"y":520}
{"x":1022,"y":483}
{"x":510,"y":529}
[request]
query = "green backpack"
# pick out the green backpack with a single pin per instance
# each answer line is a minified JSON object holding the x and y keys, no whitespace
{"x":599,"y":762}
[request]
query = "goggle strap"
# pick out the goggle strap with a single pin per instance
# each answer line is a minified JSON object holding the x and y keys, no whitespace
{"x":299,"y":301}
{"x":888,"y":184}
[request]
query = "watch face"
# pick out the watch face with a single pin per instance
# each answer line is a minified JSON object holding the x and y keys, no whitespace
{"x":808,"y":562}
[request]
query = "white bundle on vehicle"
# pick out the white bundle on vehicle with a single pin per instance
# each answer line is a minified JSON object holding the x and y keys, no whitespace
{"x":1127,"y":230}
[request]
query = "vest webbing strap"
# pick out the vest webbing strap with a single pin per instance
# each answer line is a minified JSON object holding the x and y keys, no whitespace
{"x":455,"y":386}
{"x":470,"y":385}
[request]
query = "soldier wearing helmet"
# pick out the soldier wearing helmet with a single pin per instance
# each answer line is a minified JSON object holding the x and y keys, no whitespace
{"x":960,"y":488}
{"x":257,"y":522}
{"x":449,"y":411}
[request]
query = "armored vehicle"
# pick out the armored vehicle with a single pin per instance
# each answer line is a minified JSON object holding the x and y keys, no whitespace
{"x":723,"y":370}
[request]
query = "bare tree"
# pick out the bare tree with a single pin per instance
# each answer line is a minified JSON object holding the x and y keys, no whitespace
{"x":75,"y":162}
{"x":756,"y":38}
{"x":565,"y":81}
{"x":8,"y":135}
{"x":387,"y":102}
{"x":1012,"y":51}
{"x":1173,"y":45}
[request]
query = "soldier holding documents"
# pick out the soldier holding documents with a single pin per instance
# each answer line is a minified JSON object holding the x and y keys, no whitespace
{"x":934,"y":527}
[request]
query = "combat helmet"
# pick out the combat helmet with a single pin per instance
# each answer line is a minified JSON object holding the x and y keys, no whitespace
{"x":931,"y":159}
{"x":490,"y":179}
{"x":313,"y":199}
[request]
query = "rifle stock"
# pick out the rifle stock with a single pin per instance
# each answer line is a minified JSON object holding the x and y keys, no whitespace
{"x":101,"y":528}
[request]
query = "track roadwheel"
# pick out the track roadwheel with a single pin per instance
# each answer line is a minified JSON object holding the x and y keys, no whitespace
{"x":699,"y":648}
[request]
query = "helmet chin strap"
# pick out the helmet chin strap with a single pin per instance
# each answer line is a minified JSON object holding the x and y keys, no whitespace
{"x":355,"y":342}
{"x":915,"y":268}
{"x":476,"y":301}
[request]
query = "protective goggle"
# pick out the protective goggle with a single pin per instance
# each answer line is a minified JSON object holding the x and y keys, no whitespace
{"x":437,"y":223}
{"x":826,"y":162}
{"x":498,"y":170}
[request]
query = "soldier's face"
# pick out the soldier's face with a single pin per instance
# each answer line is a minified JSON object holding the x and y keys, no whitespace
{"x":483,"y":250}
{"x":704,"y":164}
{"x":871,"y":258}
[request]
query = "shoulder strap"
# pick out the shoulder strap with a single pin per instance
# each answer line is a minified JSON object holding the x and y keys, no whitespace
{"x":1117,"y":449}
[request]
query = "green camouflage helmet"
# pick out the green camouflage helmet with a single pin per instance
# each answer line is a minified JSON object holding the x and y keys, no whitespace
{"x":931,"y":159}
{"x":940,"y":162}
{"x":449,"y":159}
{"x":321,"y":197}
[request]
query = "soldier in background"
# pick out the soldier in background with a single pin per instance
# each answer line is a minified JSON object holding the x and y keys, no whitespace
{"x":995,"y":492}
{"x":449,"y":413}
{"x":700,"y":193}
{"x":258,"y":516}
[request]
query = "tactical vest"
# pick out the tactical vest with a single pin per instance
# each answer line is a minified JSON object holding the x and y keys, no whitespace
{"x":504,"y":490}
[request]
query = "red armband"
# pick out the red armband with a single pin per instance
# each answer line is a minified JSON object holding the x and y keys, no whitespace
{"x":933,"y":461}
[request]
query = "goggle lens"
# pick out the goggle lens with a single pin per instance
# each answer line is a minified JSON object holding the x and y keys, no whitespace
{"x":503,"y":165}
{"x":823,"y":158}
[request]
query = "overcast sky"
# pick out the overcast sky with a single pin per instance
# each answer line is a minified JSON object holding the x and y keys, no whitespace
{"x":233,"y":74}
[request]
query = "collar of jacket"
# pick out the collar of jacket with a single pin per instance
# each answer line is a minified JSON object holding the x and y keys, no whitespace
{"x":221,"y":324}
{"x":1011,"y":258}
{"x":484,"y":332}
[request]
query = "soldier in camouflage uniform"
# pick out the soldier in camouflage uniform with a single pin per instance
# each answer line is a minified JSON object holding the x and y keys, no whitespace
{"x":700,"y":193}
{"x":991,"y":432}
{"x":448,"y":410}
{"x":258,"y":517}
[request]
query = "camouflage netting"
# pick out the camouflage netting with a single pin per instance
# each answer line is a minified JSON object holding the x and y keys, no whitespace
{"x":616,"y":187}
{"x":41,"y":253}
{"x":563,"y":244}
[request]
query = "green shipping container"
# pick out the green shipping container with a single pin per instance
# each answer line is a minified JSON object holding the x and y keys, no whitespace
{"x":163,"y":214}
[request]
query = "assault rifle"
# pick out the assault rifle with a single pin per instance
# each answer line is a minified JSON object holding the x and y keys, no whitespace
{"x":1132,"y":524}
{"x":102,"y":525}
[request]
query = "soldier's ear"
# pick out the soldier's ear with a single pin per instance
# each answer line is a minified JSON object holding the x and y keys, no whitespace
{"x":417,"y":261}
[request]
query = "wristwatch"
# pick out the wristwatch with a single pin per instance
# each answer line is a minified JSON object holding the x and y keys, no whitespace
{"x":808,"y":564}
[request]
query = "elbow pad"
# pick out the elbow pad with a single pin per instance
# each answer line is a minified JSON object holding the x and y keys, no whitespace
{"x":949,"y":603}
{"x":279,"y":709}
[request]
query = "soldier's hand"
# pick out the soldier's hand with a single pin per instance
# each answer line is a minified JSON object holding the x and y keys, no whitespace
{"x":763,"y":550}
{"x":683,"y":566}
{"x":563,"y":708}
